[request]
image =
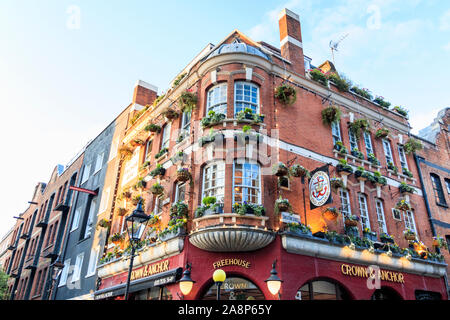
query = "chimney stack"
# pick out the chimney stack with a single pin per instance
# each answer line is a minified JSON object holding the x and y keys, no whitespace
{"x":144,"y":93}
{"x":291,"y":40}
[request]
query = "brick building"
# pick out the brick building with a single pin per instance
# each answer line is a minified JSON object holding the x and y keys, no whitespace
{"x":434,"y":171}
{"x":221,"y":124}
{"x":38,"y":235}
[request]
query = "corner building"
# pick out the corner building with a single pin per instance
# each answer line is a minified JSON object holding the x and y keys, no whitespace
{"x":230,"y":154}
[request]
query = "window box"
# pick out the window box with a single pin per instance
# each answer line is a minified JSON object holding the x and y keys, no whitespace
{"x":372,"y":236}
{"x":299,"y":229}
{"x":210,"y":138}
{"x":352,"y":230}
{"x":212,"y":119}
{"x":158,"y":171}
{"x":176,"y":232}
{"x":385,"y":238}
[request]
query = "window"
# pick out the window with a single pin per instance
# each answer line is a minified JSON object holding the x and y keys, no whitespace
{"x":64,"y":273}
{"x":396,"y":214}
{"x":166,"y":136}
{"x":77,"y":268}
{"x":322,"y":290}
{"x":246,"y":182}
{"x":380,"y":216}
{"x":148,"y":150}
{"x":104,"y":201}
{"x":99,"y":162}
{"x":447,"y":184}
{"x":217,"y":99}
{"x":352,"y":139}
{"x":90,"y":218}
{"x":55,"y":228}
{"x":365,"y":223}
{"x":158,"y":205}
{"x":246,"y":95}
{"x":345,"y":202}
{"x":37,"y":283}
{"x":185,"y":124}
{"x":284,"y":182}
{"x":180,"y":191}
{"x":437,"y":188}
{"x":409,"y":221}
{"x":93,"y":262}
{"x":387,"y":151}
{"x":335,"y":132}
{"x":76,"y":219}
{"x":401,"y":153}
{"x":86,"y":173}
{"x":368,"y":143}
{"x":214,"y":180}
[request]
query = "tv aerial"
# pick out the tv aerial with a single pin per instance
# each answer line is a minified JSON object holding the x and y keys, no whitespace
{"x":334,"y":46}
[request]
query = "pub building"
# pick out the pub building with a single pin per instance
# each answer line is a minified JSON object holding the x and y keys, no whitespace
{"x":259,"y":164}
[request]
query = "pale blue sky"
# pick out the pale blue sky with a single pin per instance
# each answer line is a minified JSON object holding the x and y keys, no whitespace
{"x":60,"y":86}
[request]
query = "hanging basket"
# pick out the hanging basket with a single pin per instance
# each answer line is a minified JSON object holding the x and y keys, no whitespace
{"x":280,"y":170}
{"x":299,"y":171}
{"x":331,"y":215}
{"x":183,"y":175}
{"x":286,"y":94}
{"x":157,"y":189}
{"x":282,"y":207}
{"x":170,"y":114}
{"x":350,"y":223}
{"x":410,"y":237}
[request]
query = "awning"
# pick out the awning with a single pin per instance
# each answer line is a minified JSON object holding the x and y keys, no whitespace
{"x":156,"y":280}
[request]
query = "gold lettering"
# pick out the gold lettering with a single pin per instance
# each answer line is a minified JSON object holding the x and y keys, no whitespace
{"x":400,"y":278}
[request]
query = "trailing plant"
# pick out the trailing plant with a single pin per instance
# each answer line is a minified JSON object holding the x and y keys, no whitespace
{"x":173,"y":226}
{"x":336,"y":183}
{"x":161,"y":152}
{"x":282,"y":205}
{"x":372,"y":159}
{"x":379,"y":178}
{"x":331,"y":114}
{"x":179,"y":209}
{"x":212,"y":119}
{"x":280,"y":169}
{"x":341,"y":82}
{"x":365,"y":93}
{"x":407,"y":172}
{"x":412,"y":145}
{"x":157,"y":188}
{"x":404,"y":187}
{"x":380,"y":100}
{"x":401,"y":111}
{"x":358,"y":154}
{"x":170,"y":114}
{"x":440,"y":242}
{"x":392,"y":167}
{"x":403,"y":205}
{"x":286,"y":94}
{"x":178,"y":80}
{"x":188,"y":101}
{"x":152,"y":127}
{"x":299,"y":228}
{"x":183,"y":174}
{"x":343,"y":166}
{"x":297,"y":170}
{"x":319,"y":76}
{"x":140,"y":184}
{"x":382,"y":133}
{"x":158,"y":171}
{"x":136,"y":199}
{"x":359,"y":126}
{"x":339,"y":146}
{"x":409,"y":234}
{"x":104,"y":223}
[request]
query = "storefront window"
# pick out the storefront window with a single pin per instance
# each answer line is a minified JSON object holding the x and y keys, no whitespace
{"x":322,"y":290}
{"x":235,"y":288}
{"x":155,"y":293}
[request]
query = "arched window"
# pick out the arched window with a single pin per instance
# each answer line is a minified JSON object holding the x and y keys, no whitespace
{"x":217,"y":99}
{"x":214,"y":180}
{"x":322,"y":290}
{"x":246,"y":182}
{"x":246,"y":95}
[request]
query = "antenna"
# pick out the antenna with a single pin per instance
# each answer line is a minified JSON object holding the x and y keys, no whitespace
{"x":334,"y":46}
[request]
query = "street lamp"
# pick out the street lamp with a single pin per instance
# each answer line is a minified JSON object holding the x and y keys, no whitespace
{"x":136,"y":223}
{"x":186,"y":283}
{"x":219,"y":277}
{"x":274,"y":282}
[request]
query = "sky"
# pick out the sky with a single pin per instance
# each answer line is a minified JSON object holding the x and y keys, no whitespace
{"x":68,"y":68}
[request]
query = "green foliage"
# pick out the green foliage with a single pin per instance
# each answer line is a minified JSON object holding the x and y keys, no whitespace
{"x":359,"y":126}
{"x":412,"y":145}
{"x":365,"y":93}
{"x":331,"y":114}
{"x":318,"y":76}
{"x":286,"y":94}
{"x":3,"y":285}
{"x":341,"y":82}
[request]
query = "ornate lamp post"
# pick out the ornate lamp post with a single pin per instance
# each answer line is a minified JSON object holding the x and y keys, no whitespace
{"x":186,"y":283}
{"x":274,"y":282}
{"x":136,"y":223}
{"x":219,"y":277}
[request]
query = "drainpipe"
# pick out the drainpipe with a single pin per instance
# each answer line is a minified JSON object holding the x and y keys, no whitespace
{"x":419,"y":160}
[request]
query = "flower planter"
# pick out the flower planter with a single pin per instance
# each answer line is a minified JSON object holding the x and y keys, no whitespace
{"x":386,"y":240}
{"x":183,"y":175}
{"x":169,"y":235}
{"x":156,"y":190}
{"x":350,"y":223}
{"x":410,"y":237}
{"x":370,"y":236}
{"x":298,"y":171}
{"x":286,"y":94}
{"x":170,"y":114}
{"x":331,"y":215}
{"x":281,"y":171}
{"x":352,"y":231}
{"x":283,"y":207}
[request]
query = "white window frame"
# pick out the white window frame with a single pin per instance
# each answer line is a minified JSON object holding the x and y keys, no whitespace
{"x":402,"y":157}
{"x":250,"y":104}
{"x":353,"y":141}
{"x":89,"y":222}
{"x":64,"y":273}
{"x":382,"y":227}
{"x":410,"y":223}
{"x":77,"y":268}
{"x":398,"y":213}
{"x":243,"y":186}
{"x":148,"y":152}
{"x":104,"y":201}
{"x":93,"y":262}
{"x":363,"y":211}
{"x":166,"y":136}
{"x":216,"y":98}
{"x":158,"y":201}
{"x":368,"y":143}
{"x":99,"y":162}
{"x":86,"y":173}
{"x":211,"y":191}
{"x":76,"y":219}
{"x":345,"y":202}
{"x":387,"y":151}
{"x":186,"y":122}
{"x":178,"y":186}
{"x":336,"y":132}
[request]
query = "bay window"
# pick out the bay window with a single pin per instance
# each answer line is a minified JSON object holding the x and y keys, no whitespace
{"x":246,"y":182}
{"x":246,"y":95}
{"x":216,"y":99}
{"x":214,"y":180}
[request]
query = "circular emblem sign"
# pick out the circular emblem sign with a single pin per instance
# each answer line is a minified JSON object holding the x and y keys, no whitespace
{"x":319,"y":188}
